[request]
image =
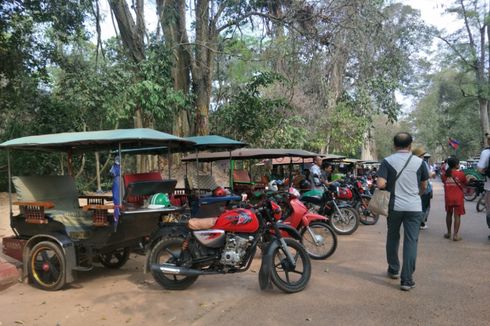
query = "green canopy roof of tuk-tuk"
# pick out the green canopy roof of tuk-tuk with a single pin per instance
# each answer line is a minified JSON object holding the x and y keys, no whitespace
{"x":248,"y":153}
{"x":200,"y":143}
{"x":215,"y":141}
{"x":98,"y":140}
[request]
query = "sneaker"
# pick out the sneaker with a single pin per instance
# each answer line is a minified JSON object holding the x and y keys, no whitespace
{"x":392,"y":275}
{"x":407,"y":286}
{"x":423,"y":226}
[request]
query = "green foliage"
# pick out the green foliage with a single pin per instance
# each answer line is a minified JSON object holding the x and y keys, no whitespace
{"x":260,"y":121}
{"x":446,"y":112}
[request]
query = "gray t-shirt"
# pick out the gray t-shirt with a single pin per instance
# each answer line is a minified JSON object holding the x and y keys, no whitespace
{"x":483,"y":164}
{"x":405,"y":193}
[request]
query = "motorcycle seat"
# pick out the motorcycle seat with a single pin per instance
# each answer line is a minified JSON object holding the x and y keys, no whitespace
{"x":201,"y":223}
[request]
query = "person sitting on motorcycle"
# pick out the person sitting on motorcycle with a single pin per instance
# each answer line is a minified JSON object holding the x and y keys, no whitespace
{"x":319,"y":176}
{"x":326,"y":177}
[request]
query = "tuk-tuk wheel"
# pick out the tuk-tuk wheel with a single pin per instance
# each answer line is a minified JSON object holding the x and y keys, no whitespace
{"x":46,"y":267}
{"x":115,"y":259}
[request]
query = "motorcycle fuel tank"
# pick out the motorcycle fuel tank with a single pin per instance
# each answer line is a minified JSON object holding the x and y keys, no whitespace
{"x":238,"y":220}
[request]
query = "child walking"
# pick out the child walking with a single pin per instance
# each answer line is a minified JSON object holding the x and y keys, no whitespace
{"x":454,"y":181}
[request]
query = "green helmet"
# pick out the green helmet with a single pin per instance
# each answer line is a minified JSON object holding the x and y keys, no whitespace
{"x":159,"y":200}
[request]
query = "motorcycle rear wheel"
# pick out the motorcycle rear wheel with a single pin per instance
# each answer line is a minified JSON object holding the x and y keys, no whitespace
{"x":328,"y":240}
{"x":480,"y":205}
{"x":366,"y":216}
{"x":285,"y":277}
{"x":346,"y":225}
{"x":470,"y":193}
{"x":165,"y":251}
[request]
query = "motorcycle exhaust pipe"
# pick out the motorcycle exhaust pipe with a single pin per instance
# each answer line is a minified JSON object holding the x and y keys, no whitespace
{"x":176,"y":270}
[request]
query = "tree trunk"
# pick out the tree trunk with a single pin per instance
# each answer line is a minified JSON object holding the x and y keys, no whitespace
{"x":203,"y":65}
{"x":131,"y":34}
{"x":138,"y":123}
{"x":172,"y":20}
{"x":484,"y":118}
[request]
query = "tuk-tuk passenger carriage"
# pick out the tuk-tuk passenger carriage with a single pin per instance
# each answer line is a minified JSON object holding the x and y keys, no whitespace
{"x":247,"y":184}
{"x":58,"y":237}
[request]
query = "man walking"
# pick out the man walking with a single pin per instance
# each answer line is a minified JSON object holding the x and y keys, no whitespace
{"x":405,"y":177}
{"x":483,"y":168}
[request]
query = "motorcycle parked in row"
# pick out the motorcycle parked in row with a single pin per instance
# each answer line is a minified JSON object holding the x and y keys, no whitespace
{"x":473,"y":189}
{"x":318,"y":238}
{"x":343,"y":218}
{"x":227,"y":244}
{"x":356,"y":192}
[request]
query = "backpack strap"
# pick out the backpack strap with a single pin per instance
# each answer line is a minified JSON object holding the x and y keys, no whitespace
{"x":406,"y":163}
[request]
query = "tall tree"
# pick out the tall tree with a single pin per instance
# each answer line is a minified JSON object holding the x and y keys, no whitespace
{"x":471,"y":49}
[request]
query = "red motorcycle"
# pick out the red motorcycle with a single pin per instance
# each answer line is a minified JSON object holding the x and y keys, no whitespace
{"x":227,"y":244}
{"x":318,"y":238}
{"x":356,"y":192}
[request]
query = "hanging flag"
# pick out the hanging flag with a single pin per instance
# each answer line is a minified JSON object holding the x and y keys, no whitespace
{"x":453,"y":143}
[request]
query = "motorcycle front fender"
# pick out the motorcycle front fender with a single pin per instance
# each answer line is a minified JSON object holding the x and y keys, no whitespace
{"x":292,"y":232}
{"x":310,"y":217}
{"x":266,"y":266}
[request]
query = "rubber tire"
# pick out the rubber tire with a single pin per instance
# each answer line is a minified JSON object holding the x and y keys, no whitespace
{"x":334,"y":240}
{"x":160,"y":277}
{"x":303,"y":255}
{"x":33,"y":274}
{"x":480,"y":205}
{"x":471,"y":197}
{"x":121,"y":260}
{"x":373,"y":219}
{"x":350,"y":231}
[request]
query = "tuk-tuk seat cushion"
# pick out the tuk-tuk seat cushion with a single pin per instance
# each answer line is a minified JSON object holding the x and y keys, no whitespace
{"x":137,"y":177}
{"x":61,"y":191}
{"x":202,"y":182}
{"x":201,"y":223}
{"x":242,"y":176}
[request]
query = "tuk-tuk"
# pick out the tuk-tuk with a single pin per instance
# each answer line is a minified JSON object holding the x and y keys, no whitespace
{"x":57,"y":236}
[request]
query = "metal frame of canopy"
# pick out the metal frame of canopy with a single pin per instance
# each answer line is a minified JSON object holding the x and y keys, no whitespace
{"x":209,"y":142}
{"x":71,"y":142}
{"x":251,"y":153}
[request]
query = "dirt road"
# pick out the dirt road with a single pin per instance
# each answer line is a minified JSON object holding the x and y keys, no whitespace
{"x":350,"y":288}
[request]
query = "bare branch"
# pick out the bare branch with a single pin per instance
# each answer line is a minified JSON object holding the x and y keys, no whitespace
{"x":458,"y":53}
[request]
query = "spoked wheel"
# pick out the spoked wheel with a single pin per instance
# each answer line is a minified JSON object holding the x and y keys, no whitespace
{"x":115,"y":259}
{"x":366,"y":216}
{"x":347,"y":223}
{"x":480,"y":205}
{"x":286,"y":277}
{"x":47,"y":266}
{"x":319,"y":240}
{"x":168,"y":251}
{"x":470,"y":193}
